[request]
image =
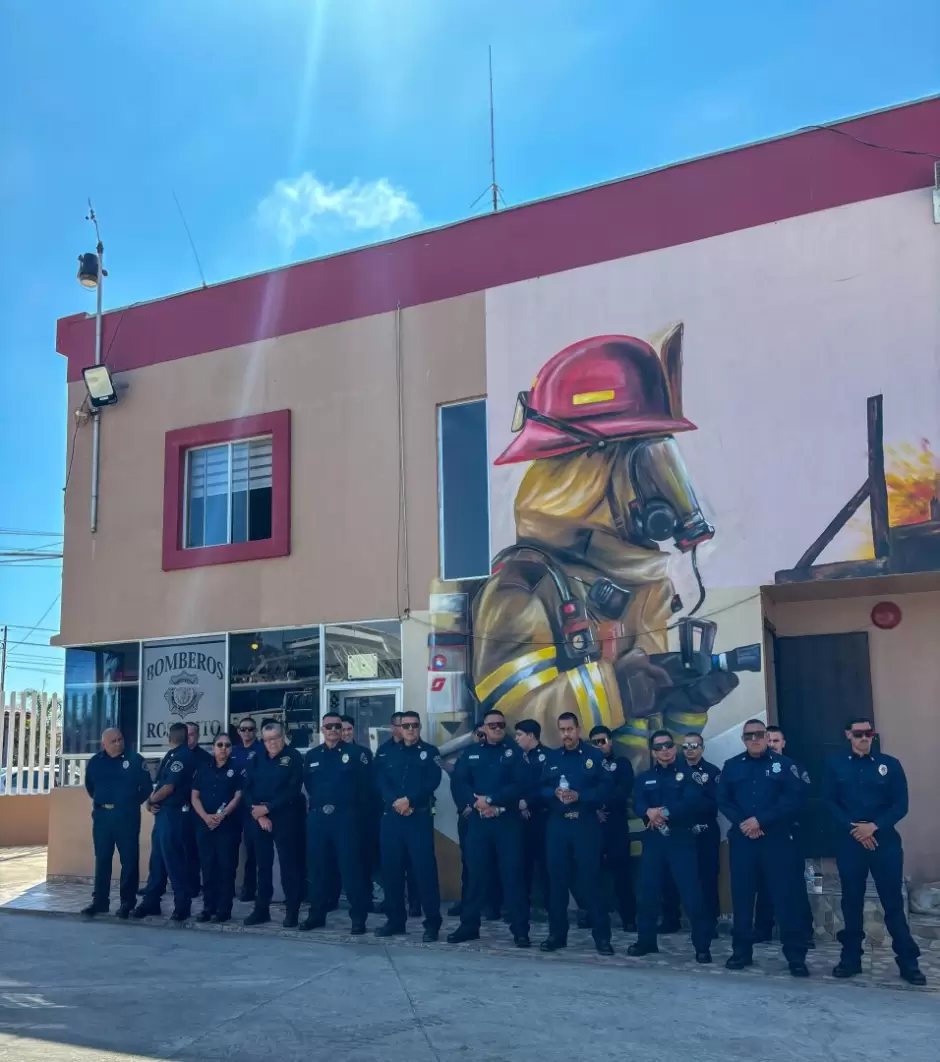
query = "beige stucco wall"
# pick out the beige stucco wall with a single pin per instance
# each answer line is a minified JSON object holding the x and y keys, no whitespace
{"x":340,"y":385}
{"x":24,"y":820}
{"x":905,"y":676}
{"x":70,"y":849}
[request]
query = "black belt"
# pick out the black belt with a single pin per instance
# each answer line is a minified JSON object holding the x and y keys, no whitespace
{"x":328,"y":809}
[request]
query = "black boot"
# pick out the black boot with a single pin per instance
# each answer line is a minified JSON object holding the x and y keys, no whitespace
{"x":739,"y":962}
{"x":552,"y":943}
{"x":454,"y":911}
{"x":258,"y":917}
{"x":204,"y":916}
{"x":180,"y":914}
{"x":93,"y":909}
{"x":291,"y":918}
{"x":388,"y":930}
{"x":462,"y":934}
{"x":912,"y":974}
{"x":604,"y":947}
{"x":845,"y":969}
{"x":639,"y":949}
{"x":144,"y":910}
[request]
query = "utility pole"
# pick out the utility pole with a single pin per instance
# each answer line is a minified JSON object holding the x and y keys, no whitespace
{"x":96,"y":421}
{"x":3,"y":662}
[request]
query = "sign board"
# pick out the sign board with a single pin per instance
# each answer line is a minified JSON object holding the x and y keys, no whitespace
{"x":182,"y":682}
{"x":362,"y":666}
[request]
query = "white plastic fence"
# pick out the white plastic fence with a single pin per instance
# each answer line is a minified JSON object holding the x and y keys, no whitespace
{"x":29,"y":743}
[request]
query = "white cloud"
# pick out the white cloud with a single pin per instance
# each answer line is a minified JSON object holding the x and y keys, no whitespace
{"x":304,"y":206}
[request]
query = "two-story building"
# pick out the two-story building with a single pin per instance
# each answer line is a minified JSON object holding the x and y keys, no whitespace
{"x":707,"y":390}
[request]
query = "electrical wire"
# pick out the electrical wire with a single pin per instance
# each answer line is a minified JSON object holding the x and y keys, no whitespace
{"x":35,"y":627}
{"x":871,"y":144}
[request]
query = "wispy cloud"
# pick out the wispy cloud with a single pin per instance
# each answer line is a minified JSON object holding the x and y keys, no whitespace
{"x":304,"y":206}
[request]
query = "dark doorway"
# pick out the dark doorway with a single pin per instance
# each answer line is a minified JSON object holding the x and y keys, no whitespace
{"x":821,"y":680}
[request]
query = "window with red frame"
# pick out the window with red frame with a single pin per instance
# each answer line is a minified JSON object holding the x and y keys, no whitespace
{"x":228,"y":493}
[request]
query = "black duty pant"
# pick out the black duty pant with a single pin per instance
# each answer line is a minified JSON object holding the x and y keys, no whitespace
{"x":410,"y":839}
{"x":764,"y":908}
{"x":156,"y":872}
{"x":171,"y":831}
{"x":335,"y":852}
{"x":534,"y":865}
{"x":573,"y":846}
{"x":707,"y":851}
{"x":886,"y":864}
{"x":218,"y":858}
{"x":288,"y":837}
{"x":250,"y":879}
{"x":116,"y":828}
{"x":494,"y":848}
{"x":615,"y":837}
{"x":664,"y":856}
{"x":771,"y":856}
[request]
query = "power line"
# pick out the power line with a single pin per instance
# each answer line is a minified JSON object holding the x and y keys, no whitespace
{"x":23,"y":627}
{"x":22,"y":531}
{"x":871,"y":144}
{"x":55,"y":601}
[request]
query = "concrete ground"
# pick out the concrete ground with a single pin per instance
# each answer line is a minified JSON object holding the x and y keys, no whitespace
{"x":115,"y":992}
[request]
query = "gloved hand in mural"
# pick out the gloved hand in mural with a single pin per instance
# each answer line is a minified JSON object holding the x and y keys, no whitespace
{"x":577,"y":611}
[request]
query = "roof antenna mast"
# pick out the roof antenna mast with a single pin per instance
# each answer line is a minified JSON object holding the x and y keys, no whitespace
{"x":493,"y":188}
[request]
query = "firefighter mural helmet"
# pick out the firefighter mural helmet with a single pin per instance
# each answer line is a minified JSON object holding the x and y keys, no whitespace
{"x":596,"y":391}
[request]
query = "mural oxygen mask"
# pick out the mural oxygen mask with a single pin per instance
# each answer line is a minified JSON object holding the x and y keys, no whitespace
{"x":664,"y":506}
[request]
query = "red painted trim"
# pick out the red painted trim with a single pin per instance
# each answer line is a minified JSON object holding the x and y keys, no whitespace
{"x":277,"y":425}
{"x":756,"y":185}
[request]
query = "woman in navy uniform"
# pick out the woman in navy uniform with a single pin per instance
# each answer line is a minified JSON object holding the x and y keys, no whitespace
{"x":217,"y":798}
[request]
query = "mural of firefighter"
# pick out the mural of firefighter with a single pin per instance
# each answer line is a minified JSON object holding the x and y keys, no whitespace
{"x":577,"y":613}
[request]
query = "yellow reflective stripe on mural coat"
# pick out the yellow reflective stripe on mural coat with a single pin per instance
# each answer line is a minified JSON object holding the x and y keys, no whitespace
{"x":519,"y":689}
{"x":589,"y":691}
{"x":495,"y":678}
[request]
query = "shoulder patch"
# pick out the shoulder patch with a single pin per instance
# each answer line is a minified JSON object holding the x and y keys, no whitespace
{"x":363,"y":758}
{"x":699,"y":777}
{"x":176,"y":766}
{"x":794,"y":770}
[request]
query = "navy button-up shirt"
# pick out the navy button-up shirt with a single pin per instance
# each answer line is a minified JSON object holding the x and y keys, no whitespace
{"x":337,"y":777}
{"x":177,"y":769}
{"x":581,"y":767}
{"x":620,"y":777}
{"x":534,"y":764}
{"x":710,"y":775}
{"x":216,"y":785}
{"x":275,"y":781}
{"x":241,"y":754}
{"x":766,"y":787}
{"x":496,"y":771}
{"x":123,"y":781}
{"x":865,"y":789}
{"x":679,"y":789}
{"x":408,"y":771}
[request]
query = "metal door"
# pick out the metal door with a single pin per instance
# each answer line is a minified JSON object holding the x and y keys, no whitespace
{"x":371,"y":706}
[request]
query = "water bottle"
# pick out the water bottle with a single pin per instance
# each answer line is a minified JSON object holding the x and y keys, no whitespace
{"x":564,"y":784}
{"x":664,"y":828}
{"x":222,"y":808}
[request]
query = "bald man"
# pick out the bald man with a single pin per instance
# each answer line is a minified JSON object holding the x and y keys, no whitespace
{"x":118,"y":782}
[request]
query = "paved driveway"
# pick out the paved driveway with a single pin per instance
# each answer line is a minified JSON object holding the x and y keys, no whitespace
{"x":103,"y":992}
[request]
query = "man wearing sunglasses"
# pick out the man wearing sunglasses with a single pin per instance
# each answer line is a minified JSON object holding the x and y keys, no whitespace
{"x":217,"y":794}
{"x":615,"y":828}
{"x":491,"y":780}
{"x":528,"y":735}
{"x":574,"y":786}
{"x":866,"y":794}
{"x":336,"y":779}
{"x":407,"y":784}
{"x":707,"y":842}
{"x":671,"y":800}
{"x":764,"y":908}
{"x":761,"y":794}
{"x":243,"y":751}
{"x":381,"y":758}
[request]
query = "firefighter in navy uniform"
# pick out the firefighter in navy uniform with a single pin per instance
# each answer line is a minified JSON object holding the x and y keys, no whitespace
{"x":203,"y":758}
{"x":534,"y":811}
{"x":407,"y":782}
{"x":118,"y":783}
{"x":336,"y":779}
{"x":491,"y":779}
{"x":247,"y":748}
{"x":170,"y":805}
{"x":381,"y":755}
{"x":761,"y":795}
{"x":866,"y":794}
{"x":615,"y":828}
{"x":574,"y":786}
{"x":217,"y":803}
{"x":764,"y":908}
{"x":707,"y":842}
{"x":273,"y":791}
{"x":671,"y":800}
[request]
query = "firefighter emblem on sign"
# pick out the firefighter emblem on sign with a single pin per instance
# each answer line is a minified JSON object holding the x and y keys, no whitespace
{"x":182,"y":695}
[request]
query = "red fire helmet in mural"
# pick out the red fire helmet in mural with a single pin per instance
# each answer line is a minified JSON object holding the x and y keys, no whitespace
{"x":598,"y":389}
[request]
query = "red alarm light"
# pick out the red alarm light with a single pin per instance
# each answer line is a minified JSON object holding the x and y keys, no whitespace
{"x":886,"y":615}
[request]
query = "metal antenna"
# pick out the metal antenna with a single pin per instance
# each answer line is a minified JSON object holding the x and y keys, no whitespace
{"x":493,"y":188}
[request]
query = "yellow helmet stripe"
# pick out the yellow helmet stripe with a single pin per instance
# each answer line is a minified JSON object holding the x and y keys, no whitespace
{"x":512,"y":667}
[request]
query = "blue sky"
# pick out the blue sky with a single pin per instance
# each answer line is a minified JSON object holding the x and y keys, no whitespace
{"x":293,"y":128}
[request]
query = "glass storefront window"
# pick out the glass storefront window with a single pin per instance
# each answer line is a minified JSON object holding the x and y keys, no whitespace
{"x":275,"y":675}
{"x":360,"y":652}
{"x":101,"y":690}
